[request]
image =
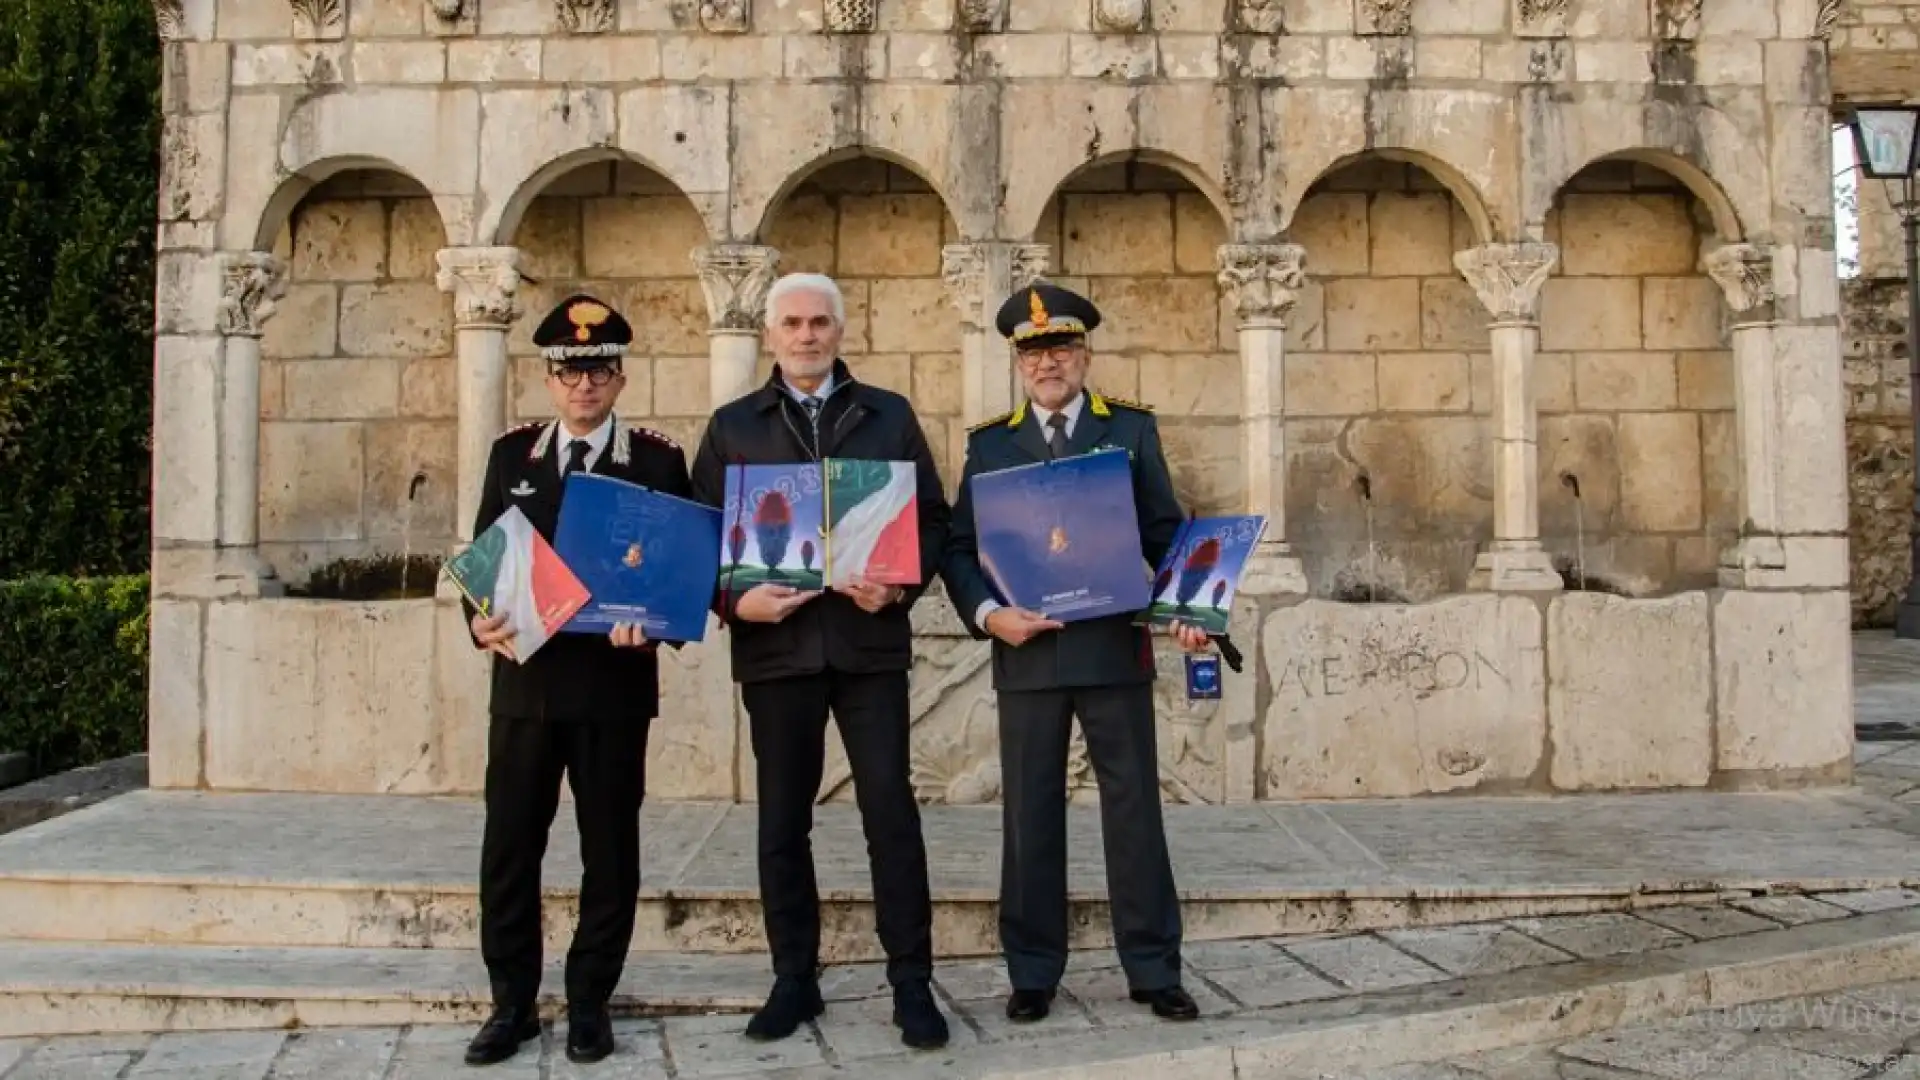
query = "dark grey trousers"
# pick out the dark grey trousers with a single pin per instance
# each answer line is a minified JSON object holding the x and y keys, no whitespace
{"x":1034,"y":730}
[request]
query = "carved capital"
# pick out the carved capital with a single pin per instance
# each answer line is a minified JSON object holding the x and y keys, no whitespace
{"x":972,"y":273}
{"x":1507,"y":277}
{"x":1540,"y":18}
{"x":485,"y":283}
{"x":1260,"y":16}
{"x":725,"y":16}
{"x":851,"y":16}
{"x":584,"y":16}
{"x":250,"y":284}
{"x":1264,"y":279}
{"x":735,"y":278}
{"x":1826,"y":17}
{"x":1120,"y":16}
{"x":170,"y":17}
{"x":319,"y":18}
{"x":1745,"y":273}
{"x":1675,"y":20}
{"x":1386,"y":17}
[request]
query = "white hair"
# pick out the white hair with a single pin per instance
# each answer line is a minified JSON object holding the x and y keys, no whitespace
{"x":816,"y":283}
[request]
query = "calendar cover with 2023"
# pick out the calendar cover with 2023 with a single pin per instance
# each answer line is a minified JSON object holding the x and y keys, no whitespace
{"x":1059,"y":537}
{"x":812,"y":525}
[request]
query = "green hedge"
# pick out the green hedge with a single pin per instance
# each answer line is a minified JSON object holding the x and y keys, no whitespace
{"x":73,"y":669}
{"x":79,"y":206}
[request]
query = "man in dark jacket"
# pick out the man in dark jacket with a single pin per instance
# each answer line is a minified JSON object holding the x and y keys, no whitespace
{"x":1100,"y":670}
{"x":800,"y":654}
{"x":581,"y":706}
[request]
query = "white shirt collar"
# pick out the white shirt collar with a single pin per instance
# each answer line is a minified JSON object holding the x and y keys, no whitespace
{"x":597,"y":441}
{"x":825,"y":391}
{"x":1071,"y":412}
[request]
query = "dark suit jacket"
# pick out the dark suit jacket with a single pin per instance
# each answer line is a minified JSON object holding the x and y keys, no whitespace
{"x":574,"y":677}
{"x":767,"y":427}
{"x":1098,"y":652}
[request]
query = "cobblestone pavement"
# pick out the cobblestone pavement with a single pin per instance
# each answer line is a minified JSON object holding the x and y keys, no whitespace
{"x":1842,"y":1037}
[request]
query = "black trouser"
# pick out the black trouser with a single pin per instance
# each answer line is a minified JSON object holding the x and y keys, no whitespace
{"x":1034,"y":730}
{"x":605,"y":762}
{"x":788,"y":718}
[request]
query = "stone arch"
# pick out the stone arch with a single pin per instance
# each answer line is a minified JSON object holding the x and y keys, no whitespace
{"x":1718,"y":203}
{"x":1634,"y":378}
{"x":1023,"y":220}
{"x":1389,"y":389}
{"x":1465,"y":193}
{"x":277,"y":213}
{"x":428,"y":136}
{"x":1133,"y":232}
{"x":605,"y":222}
{"x":502,"y":224}
{"x":358,"y":427}
{"x":765,"y":212}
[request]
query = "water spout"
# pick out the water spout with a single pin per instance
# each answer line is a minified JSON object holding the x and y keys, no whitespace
{"x":1572,"y":482}
{"x":406,"y":528}
{"x":1365,"y":483}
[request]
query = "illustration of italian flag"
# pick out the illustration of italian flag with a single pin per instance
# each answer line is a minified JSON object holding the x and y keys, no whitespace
{"x":511,"y":570}
{"x":873,"y":522}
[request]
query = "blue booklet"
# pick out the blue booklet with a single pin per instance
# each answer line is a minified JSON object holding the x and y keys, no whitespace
{"x":1201,"y":573}
{"x":1059,"y":537}
{"x":647,"y":558}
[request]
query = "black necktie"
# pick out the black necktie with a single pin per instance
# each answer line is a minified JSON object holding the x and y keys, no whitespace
{"x":577,"y":456}
{"x":1057,"y":435}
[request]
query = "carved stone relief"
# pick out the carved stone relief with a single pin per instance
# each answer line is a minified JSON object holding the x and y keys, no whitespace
{"x":982,"y":16}
{"x":735,"y":279}
{"x":447,"y":10}
{"x":1507,"y":277}
{"x":1264,"y":279}
{"x":968,"y":268}
{"x":1744,"y":273}
{"x":170,"y":18}
{"x":1676,"y":20}
{"x":584,"y":16}
{"x":1120,"y":16}
{"x":251,"y":283}
{"x":1540,"y":18}
{"x":485,"y":283}
{"x":319,"y":18}
{"x":1261,"y":16}
{"x":851,"y":16}
{"x":725,"y":16}
{"x":1826,"y":18}
{"x":1394,"y":17}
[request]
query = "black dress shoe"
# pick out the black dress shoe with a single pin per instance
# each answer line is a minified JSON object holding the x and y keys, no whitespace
{"x":500,"y":1037}
{"x":589,"y":1035}
{"x":1172,"y":1003}
{"x":1026,"y":1006}
{"x":794,"y":1001}
{"x":918,"y":1018}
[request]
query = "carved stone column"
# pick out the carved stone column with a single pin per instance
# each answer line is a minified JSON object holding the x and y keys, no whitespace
{"x":251,"y":283}
{"x":485,"y":283}
{"x":980,"y":275}
{"x":1744,"y":273}
{"x":1264,"y":281}
{"x":735,"y":278}
{"x":1507,"y":278}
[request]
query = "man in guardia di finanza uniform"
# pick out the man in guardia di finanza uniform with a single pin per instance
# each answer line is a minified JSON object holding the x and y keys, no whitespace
{"x":1100,"y":670}
{"x":580,"y":706}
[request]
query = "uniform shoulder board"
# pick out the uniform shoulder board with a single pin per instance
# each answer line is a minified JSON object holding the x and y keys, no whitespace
{"x":1125,"y":404}
{"x":989,"y":421}
{"x":654,"y":436}
{"x":520,"y":429}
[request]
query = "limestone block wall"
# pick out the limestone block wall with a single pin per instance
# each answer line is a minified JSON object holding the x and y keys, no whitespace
{"x":357,"y":404}
{"x":1879,"y":446}
{"x":1386,"y":270}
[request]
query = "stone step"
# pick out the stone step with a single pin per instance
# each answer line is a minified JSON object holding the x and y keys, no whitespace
{"x":1273,"y":1030}
{"x":399,"y":871}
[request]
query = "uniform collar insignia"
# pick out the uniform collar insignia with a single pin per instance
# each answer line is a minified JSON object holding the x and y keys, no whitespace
{"x":1019,"y":413}
{"x":1098,"y":404}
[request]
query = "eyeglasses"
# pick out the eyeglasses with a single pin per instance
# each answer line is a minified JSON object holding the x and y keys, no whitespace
{"x":1059,"y":354}
{"x":595,"y":376}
